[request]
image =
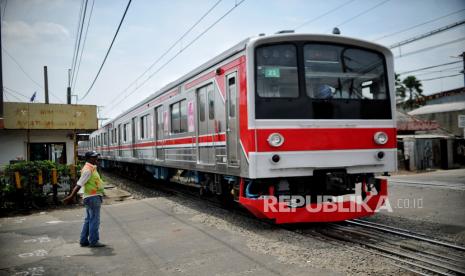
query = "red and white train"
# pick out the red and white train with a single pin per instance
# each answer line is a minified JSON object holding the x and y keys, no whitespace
{"x":294,"y":127}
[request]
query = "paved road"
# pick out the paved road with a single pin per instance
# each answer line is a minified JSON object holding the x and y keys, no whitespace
{"x":144,"y":237}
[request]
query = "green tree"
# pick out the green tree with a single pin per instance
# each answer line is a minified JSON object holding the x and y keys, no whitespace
{"x":400,"y":89}
{"x":415,"y":91}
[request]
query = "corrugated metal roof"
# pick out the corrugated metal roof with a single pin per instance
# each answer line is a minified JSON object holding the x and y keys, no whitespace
{"x":438,"y":108}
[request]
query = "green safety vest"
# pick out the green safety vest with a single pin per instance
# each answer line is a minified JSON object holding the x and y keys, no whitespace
{"x":94,"y":186}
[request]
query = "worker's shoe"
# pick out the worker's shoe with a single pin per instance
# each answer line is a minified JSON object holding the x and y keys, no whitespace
{"x":85,"y":244}
{"x":98,"y":244}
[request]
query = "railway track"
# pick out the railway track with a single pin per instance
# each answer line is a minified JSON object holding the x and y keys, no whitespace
{"x":411,"y":251}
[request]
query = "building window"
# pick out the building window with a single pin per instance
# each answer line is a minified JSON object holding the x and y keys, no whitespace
{"x":179,"y":117}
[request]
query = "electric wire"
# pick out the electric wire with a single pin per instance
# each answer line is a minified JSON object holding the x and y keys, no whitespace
{"x":430,"y":48}
{"x":442,"y":77}
{"x":428,"y":34}
{"x":108,"y":51}
{"x":83,"y":45}
{"x":439,"y":71}
{"x":73,"y":68}
{"x":360,"y":14}
{"x":418,"y":25}
{"x":26,"y":74}
{"x":182,"y":49}
{"x":167,"y":51}
{"x":15,"y":91}
{"x":78,"y":25}
{"x":429,"y":67}
{"x":322,"y":15}
{"x":13,"y":95}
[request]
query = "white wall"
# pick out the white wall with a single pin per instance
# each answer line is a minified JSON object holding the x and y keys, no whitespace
{"x":13,"y":143}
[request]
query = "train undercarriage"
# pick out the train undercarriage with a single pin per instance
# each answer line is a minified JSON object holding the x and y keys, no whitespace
{"x":328,"y":195}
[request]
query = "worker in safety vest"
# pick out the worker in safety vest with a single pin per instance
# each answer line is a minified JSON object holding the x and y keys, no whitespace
{"x":93,"y":190}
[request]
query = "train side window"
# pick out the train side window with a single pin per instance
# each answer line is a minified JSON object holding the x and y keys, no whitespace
{"x":144,"y":127}
{"x":159,"y":122}
{"x":183,"y":116}
{"x":179,"y":117}
{"x":232,"y":100}
{"x":125,"y":132}
{"x":202,"y":104}
{"x":211,"y":102}
{"x":175,"y":118}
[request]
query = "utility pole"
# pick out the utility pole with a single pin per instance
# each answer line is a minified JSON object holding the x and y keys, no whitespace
{"x":1,"y":72}
{"x":46,"y":84}
{"x":68,"y":91}
{"x":463,"y":72}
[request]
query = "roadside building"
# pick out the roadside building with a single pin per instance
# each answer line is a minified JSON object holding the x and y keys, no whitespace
{"x":445,"y":114}
{"x":36,"y":131}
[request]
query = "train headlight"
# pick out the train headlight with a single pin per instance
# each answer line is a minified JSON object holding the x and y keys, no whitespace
{"x":381,"y":138}
{"x":275,"y":139}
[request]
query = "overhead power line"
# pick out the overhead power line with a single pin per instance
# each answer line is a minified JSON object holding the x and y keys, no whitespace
{"x":436,"y":31}
{"x":439,"y":71}
{"x":418,"y":25}
{"x":83,"y":45}
{"x":430,"y":48}
{"x":13,"y":95}
{"x":184,"y":48}
{"x":16,"y":92}
{"x":26,"y":74}
{"x":429,"y":67}
{"x":108,"y":51}
{"x":323,"y":15}
{"x":76,"y":54}
{"x":167,"y":51}
{"x":21,"y":68}
{"x":360,"y":14}
{"x":443,"y":77}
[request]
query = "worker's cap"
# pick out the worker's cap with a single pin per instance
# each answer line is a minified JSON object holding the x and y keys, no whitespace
{"x":93,"y":153}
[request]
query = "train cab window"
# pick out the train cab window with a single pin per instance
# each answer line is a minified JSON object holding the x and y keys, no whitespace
{"x":337,"y":72}
{"x":276,"y":71}
{"x":178,"y":117}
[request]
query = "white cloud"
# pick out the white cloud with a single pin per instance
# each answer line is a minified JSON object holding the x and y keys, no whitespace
{"x":35,"y":32}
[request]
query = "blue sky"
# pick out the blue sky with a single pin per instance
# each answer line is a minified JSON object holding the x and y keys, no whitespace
{"x":42,"y":32}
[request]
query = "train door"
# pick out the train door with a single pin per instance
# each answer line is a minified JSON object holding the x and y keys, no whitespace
{"x":205,"y":123}
{"x":159,"y":154}
{"x":133,"y":137}
{"x":120,"y":151}
{"x":232,"y":138}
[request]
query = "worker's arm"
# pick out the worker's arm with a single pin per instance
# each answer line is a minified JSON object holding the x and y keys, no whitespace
{"x":85,"y":175}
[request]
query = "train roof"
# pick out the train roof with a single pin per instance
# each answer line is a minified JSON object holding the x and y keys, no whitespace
{"x":242,"y":46}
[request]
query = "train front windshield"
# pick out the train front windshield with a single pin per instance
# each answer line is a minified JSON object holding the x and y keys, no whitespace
{"x":320,"y":81}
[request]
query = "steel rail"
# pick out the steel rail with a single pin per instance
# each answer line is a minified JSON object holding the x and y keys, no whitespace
{"x":406,"y":233}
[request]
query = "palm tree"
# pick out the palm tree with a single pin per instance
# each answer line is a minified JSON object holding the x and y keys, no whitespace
{"x":415,"y":91}
{"x":400,"y":89}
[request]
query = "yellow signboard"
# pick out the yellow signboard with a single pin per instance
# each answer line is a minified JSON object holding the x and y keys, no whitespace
{"x":49,"y":116}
